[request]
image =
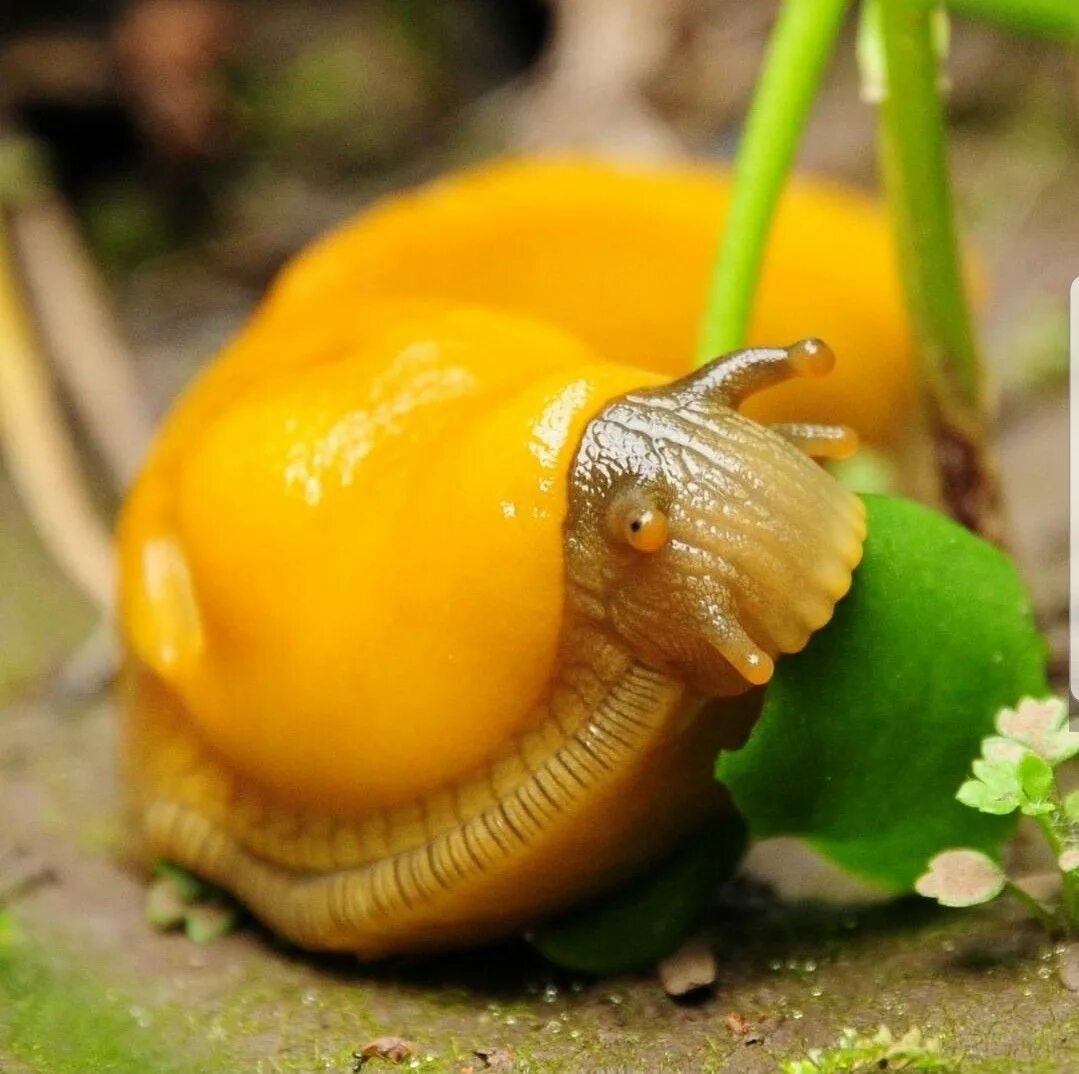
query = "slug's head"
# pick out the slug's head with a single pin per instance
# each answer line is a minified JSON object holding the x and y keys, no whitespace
{"x":706,"y":542}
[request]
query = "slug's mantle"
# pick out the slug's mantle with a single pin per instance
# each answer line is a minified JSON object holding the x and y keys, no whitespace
{"x":425,"y":601}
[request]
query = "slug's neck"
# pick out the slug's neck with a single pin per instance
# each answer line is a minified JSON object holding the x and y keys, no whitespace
{"x":593,"y":659}
{"x":591,"y":635}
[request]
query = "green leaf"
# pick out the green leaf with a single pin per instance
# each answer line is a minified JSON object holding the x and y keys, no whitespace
{"x":882,"y":1051}
{"x":1036,"y":781}
{"x":997,"y":781}
{"x":1001,"y":779}
{"x":209,"y":921}
{"x":640,"y":924}
{"x":867,"y":733}
{"x":187,"y":887}
{"x":975,"y":794}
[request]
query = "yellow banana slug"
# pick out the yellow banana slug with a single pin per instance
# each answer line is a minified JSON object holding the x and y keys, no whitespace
{"x":443,"y":586}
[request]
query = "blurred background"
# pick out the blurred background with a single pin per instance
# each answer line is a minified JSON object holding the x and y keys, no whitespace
{"x":191,"y":146}
{"x":161,"y":159}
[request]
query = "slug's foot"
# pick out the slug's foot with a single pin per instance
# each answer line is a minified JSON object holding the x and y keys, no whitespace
{"x":178,"y":899}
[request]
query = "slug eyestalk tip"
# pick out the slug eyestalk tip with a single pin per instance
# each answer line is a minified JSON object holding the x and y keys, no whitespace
{"x":811,"y":358}
{"x":733,"y":377}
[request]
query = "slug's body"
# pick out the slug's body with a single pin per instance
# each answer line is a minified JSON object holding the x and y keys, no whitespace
{"x":438,"y":619}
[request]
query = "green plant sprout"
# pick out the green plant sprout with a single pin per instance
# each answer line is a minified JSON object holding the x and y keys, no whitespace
{"x":1015,"y":772}
{"x":902,"y":46}
{"x":178,"y":899}
{"x":882,"y":1051}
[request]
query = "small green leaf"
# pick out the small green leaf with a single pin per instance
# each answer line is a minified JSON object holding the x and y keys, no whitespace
{"x":867,"y":733}
{"x":1036,"y":782}
{"x":186,"y":887}
{"x":973,"y":793}
{"x":209,"y":921}
{"x":856,"y":1052}
{"x":1000,"y":776}
{"x":977,"y":795}
{"x":1001,"y":781}
{"x":640,"y":924}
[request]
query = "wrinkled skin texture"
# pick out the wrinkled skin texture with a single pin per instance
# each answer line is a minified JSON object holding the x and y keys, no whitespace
{"x":758,"y":543}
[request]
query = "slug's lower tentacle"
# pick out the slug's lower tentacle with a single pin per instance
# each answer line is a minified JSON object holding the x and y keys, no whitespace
{"x":819,"y":441}
{"x":733,"y":378}
{"x":723,"y":630}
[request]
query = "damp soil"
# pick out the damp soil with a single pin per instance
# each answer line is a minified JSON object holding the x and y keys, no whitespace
{"x":86,"y":985}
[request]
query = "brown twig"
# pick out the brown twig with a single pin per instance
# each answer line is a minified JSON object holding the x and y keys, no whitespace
{"x":36,"y":445}
{"x":80,"y":332}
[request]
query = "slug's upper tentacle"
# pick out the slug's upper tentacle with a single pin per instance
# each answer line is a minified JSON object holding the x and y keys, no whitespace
{"x":732,"y":379}
{"x":819,"y":441}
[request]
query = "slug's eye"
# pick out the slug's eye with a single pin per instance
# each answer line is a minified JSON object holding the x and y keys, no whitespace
{"x":640,"y":523}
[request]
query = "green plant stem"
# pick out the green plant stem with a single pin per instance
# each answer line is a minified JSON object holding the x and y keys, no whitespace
{"x":914,"y":165}
{"x":1046,"y":916}
{"x":1071,"y":902}
{"x":798,"y":51}
{"x":914,"y":159}
{"x":1049,"y":823}
{"x":1058,"y":19}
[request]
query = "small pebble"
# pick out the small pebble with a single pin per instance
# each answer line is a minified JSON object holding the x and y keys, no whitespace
{"x":493,"y":1059}
{"x":691,"y":968}
{"x":392,"y":1049}
{"x":736,"y":1023}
